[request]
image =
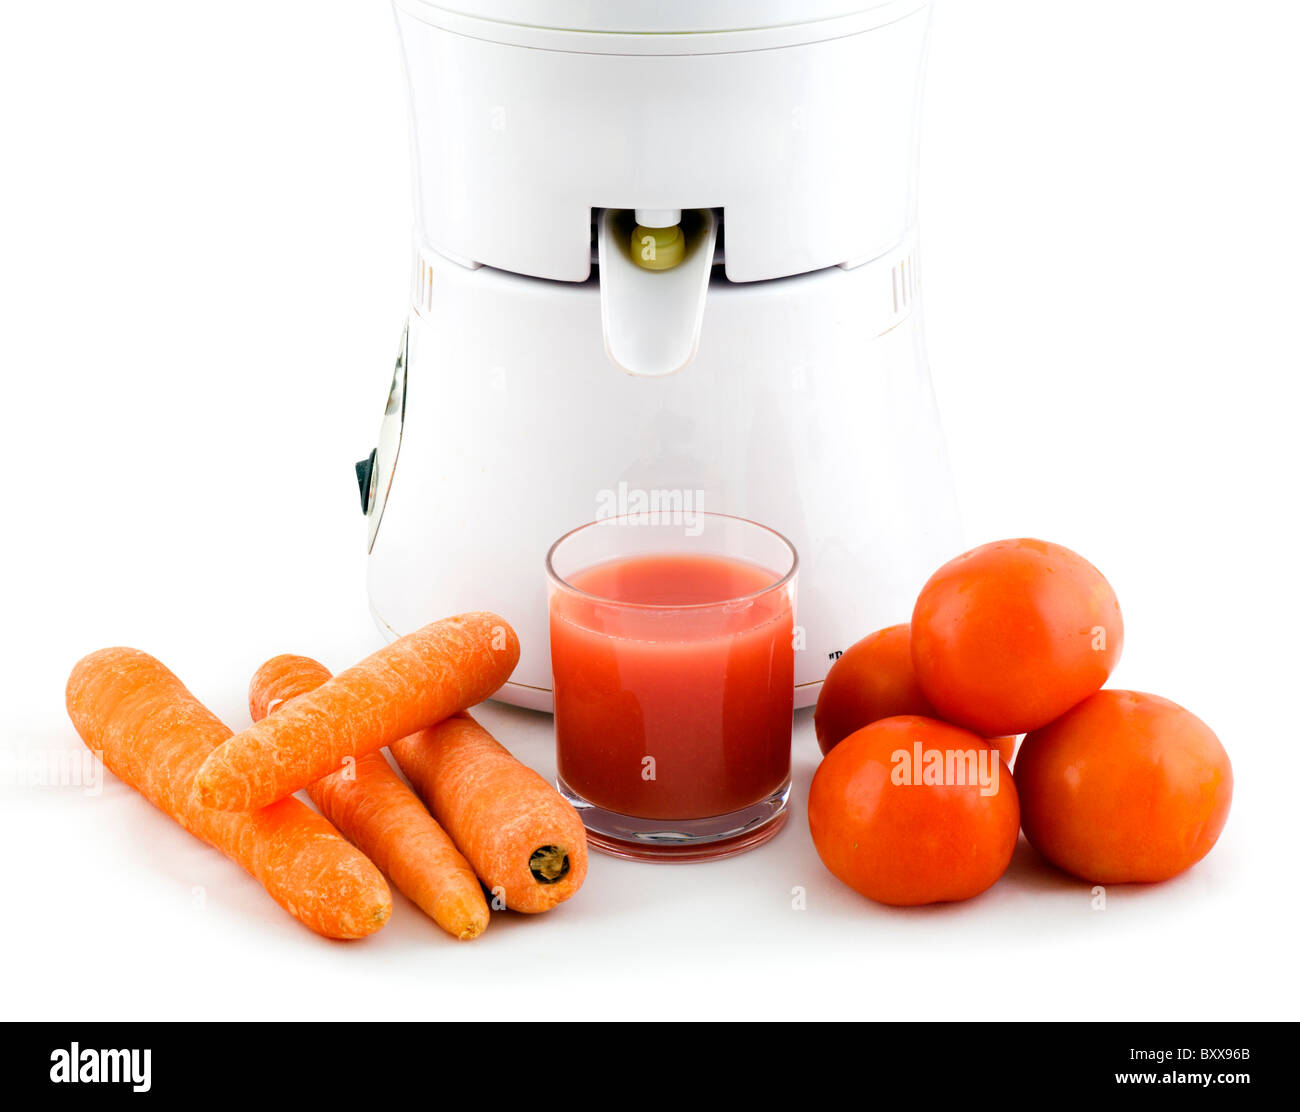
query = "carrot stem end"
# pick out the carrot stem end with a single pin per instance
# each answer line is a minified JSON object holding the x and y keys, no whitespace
{"x":549,"y":864}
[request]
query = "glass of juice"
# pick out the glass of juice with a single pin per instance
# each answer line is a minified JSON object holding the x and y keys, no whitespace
{"x":672,"y":649}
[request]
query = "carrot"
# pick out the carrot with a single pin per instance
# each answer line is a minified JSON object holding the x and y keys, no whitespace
{"x":414,"y":682}
{"x":153,"y":734}
{"x":380,"y":815}
{"x":525,"y":841}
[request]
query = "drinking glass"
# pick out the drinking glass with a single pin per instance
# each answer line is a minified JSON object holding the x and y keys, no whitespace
{"x":672,"y":649}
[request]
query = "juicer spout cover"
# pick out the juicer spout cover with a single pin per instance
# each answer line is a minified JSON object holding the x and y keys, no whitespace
{"x":652,"y":318}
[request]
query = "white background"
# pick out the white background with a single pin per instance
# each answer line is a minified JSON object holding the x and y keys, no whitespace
{"x":204,"y":230}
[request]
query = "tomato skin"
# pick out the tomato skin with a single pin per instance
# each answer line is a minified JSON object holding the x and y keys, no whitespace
{"x":1012,"y":634}
{"x":913,"y":843}
{"x":1126,"y":787}
{"x":874,"y":679}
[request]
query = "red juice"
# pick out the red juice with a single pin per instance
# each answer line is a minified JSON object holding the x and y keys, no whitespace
{"x":674,"y":685}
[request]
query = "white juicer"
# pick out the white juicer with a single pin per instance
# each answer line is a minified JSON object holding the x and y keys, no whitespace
{"x":664,"y":263}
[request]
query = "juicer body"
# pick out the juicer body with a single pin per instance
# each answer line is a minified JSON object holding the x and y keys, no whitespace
{"x":805,"y":403}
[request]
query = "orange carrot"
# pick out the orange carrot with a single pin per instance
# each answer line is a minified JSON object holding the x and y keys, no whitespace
{"x":154,"y":735}
{"x":414,"y":682}
{"x":524,"y":839}
{"x":380,"y":815}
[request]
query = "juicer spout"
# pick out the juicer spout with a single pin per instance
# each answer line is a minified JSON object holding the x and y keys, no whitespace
{"x":653,"y":284}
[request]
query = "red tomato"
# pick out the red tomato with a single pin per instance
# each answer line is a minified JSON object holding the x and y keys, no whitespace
{"x":874,"y":679}
{"x":903,"y":832}
{"x":1125,"y":787}
{"x":1013,"y":634}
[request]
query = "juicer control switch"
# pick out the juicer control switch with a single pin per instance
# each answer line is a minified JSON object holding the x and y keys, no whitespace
{"x":366,"y":478}
{"x":375,"y":474}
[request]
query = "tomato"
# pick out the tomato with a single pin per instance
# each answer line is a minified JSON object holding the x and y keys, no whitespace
{"x":1125,"y":787}
{"x":874,"y":679}
{"x":1013,"y":634}
{"x":902,"y":832}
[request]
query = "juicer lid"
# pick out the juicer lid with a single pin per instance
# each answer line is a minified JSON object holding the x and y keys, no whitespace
{"x":657,"y":17}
